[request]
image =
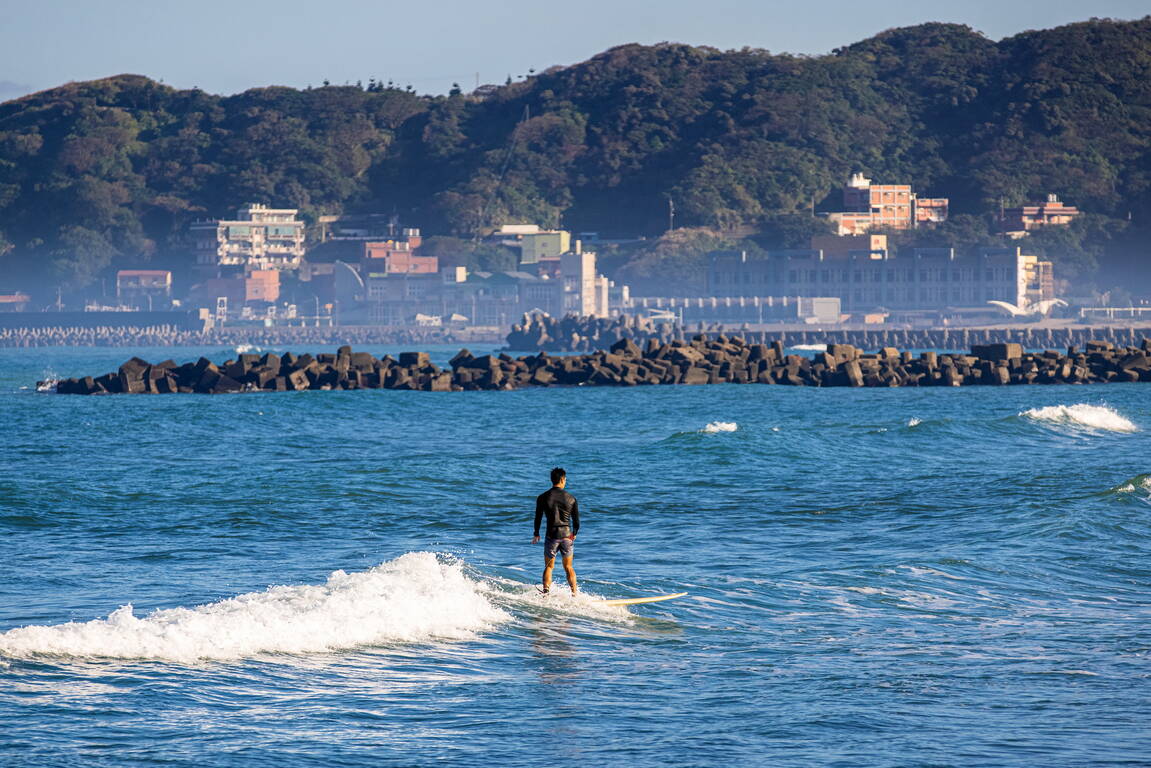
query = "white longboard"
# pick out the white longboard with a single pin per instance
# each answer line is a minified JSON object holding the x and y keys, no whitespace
{"x":638,"y":600}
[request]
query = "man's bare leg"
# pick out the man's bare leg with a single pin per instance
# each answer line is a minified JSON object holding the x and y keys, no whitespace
{"x":567,"y":561}
{"x":549,"y":562}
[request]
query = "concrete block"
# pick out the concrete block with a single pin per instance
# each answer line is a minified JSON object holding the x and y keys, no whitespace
{"x":418,"y":359}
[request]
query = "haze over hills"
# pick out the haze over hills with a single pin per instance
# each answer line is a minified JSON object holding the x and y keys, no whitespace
{"x":109,"y":173}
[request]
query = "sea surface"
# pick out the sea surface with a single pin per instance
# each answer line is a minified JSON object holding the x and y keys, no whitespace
{"x":880,"y":577}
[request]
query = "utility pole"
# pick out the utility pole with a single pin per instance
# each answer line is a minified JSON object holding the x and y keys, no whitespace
{"x":670,"y":214}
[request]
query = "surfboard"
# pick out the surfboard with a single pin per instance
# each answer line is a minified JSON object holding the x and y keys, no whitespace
{"x":638,"y":600}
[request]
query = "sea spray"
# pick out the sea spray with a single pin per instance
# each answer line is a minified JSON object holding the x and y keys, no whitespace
{"x":1098,"y":417}
{"x":720,"y":426}
{"x":414,"y":598}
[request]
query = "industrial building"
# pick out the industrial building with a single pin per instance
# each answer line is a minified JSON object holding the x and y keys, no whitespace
{"x":866,"y":280}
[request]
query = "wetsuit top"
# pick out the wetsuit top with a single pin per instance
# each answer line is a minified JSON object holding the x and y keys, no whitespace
{"x":562,"y":513}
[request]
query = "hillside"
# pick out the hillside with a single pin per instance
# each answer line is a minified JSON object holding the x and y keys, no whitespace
{"x":109,"y":173}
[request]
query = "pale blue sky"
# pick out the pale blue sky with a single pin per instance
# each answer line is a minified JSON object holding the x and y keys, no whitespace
{"x":226,"y":47}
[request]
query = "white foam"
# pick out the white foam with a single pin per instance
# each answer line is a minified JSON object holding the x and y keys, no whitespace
{"x":1143,"y":483}
{"x":414,"y":598}
{"x":1082,"y":415}
{"x":809,"y":347}
{"x":720,"y":426}
{"x":246,"y":349}
{"x":914,"y":422}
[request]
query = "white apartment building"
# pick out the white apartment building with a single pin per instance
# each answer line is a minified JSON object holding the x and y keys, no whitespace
{"x":258,"y":238}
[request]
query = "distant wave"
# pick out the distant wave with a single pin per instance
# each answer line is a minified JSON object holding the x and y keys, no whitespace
{"x":1139,"y":483}
{"x":414,"y":598}
{"x":247,"y":349}
{"x":1138,"y":487}
{"x":809,"y":347}
{"x":914,"y":421}
{"x":720,"y":426}
{"x":1082,"y":415}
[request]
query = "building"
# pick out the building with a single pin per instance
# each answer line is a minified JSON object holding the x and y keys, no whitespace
{"x":16,"y":301}
{"x":869,"y":206}
{"x":930,"y":210}
{"x":580,"y":287}
{"x":1022,"y":219}
{"x":864,"y":281}
{"x":494,"y":299}
{"x":144,"y":288}
{"x":399,"y":256}
{"x":254,"y":287}
{"x":396,"y":284}
{"x":357,"y":226}
{"x":258,"y":238}
{"x":538,"y":246}
{"x":262,"y":285}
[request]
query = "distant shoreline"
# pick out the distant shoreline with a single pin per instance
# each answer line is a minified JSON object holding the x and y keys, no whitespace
{"x":1035,"y":337}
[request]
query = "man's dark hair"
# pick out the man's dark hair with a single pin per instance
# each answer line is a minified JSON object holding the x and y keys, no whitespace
{"x":558,"y":474}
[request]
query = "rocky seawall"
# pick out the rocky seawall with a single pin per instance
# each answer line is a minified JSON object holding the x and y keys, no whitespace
{"x":701,"y":361}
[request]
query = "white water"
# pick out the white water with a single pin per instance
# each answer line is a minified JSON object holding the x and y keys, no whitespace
{"x":914,"y":421}
{"x":720,"y":426}
{"x":1082,"y":415}
{"x":809,"y":347}
{"x":414,"y":598}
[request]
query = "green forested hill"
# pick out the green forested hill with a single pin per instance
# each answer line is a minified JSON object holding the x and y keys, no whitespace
{"x":110,"y":172}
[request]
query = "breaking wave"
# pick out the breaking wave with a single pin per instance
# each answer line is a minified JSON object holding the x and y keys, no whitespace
{"x":414,"y":598}
{"x":1098,"y":417}
{"x":720,"y":426}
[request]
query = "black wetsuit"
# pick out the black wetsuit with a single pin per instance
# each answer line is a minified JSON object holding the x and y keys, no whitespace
{"x":562,"y":512}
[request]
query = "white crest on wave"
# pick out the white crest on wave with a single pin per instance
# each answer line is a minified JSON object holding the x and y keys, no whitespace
{"x":720,"y":426}
{"x":1083,"y":415}
{"x":414,"y":598}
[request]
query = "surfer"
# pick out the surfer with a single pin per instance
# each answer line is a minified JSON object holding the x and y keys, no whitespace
{"x":562,"y":513}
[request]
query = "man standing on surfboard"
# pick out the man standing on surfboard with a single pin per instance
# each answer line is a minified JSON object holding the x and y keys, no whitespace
{"x":562,"y":512}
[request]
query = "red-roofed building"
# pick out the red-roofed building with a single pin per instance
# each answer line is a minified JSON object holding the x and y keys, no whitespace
{"x":399,"y":256}
{"x":144,"y":288}
{"x":16,"y":301}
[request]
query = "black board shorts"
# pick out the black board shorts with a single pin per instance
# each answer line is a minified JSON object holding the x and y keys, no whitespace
{"x":565,"y":547}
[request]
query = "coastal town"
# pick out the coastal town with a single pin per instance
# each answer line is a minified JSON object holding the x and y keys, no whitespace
{"x":266,"y":268}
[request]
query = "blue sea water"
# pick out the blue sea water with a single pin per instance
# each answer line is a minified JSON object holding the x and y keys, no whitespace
{"x":894,"y":577}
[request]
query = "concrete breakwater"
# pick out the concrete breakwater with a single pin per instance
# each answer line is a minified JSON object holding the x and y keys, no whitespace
{"x":700,"y":361}
{"x":578,"y":334}
{"x":280,"y":336}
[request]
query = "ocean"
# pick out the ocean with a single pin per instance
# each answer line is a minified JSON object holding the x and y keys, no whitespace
{"x":878,"y":577}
